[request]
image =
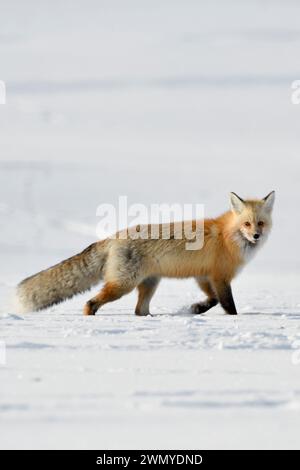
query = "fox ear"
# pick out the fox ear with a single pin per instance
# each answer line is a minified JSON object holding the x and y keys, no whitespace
{"x":237,"y":203}
{"x":269,"y":201}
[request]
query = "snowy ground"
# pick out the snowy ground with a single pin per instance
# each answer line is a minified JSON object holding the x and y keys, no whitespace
{"x":174,"y":380}
{"x":164,"y":102}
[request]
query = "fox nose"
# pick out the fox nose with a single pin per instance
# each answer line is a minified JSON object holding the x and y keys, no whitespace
{"x":256,"y":236}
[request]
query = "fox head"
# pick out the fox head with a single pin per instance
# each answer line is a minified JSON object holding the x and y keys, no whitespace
{"x":253,"y":218}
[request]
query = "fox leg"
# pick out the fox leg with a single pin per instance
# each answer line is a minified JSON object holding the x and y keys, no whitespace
{"x":211,"y":301}
{"x":224,"y":294}
{"x":146,"y":291}
{"x":111,"y":291}
{"x":122,"y":275}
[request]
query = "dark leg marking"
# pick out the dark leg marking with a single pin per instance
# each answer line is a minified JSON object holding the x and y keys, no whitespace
{"x":211,"y":301}
{"x":202,"y":307}
{"x":224,"y":293}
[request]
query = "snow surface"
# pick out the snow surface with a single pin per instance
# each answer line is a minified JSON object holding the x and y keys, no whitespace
{"x":164,"y":102}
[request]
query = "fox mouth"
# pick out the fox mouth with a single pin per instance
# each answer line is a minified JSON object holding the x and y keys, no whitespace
{"x":254,"y":240}
{"x":249,"y":243}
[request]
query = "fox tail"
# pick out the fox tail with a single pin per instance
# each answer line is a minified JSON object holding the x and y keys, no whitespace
{"x":62,"y":281}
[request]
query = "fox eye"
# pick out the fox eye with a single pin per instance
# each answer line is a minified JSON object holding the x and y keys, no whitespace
{"x":261,"y":223}
{"x":247,"y":224}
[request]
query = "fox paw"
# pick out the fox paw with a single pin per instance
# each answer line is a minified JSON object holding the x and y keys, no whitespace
{"x":199,"y":308}
{"x":90,"y":308}
{"x":202,"y":307}
{"x":143,"y":314}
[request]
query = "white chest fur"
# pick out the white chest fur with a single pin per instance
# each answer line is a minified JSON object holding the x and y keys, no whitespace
{"x":248,"y":250}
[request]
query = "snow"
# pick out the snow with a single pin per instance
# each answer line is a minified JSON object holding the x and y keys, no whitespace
{"x":165,"y":102}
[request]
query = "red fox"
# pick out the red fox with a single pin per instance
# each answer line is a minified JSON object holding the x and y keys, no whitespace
{"x":229,"y":242}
